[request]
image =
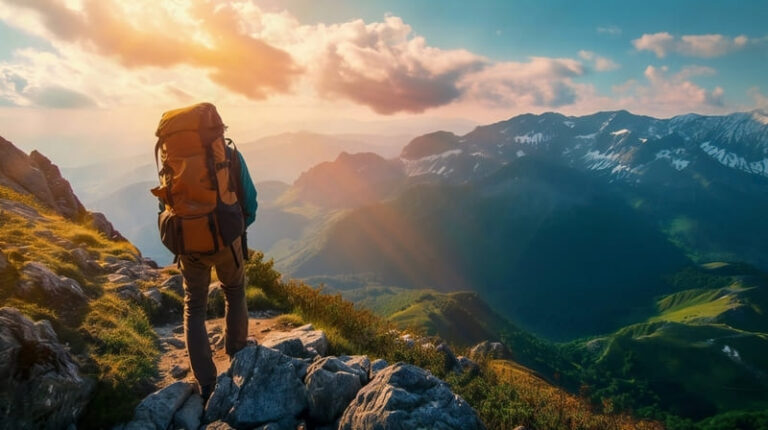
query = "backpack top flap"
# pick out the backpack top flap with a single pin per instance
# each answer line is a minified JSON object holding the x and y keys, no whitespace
{"x":201,"y":116}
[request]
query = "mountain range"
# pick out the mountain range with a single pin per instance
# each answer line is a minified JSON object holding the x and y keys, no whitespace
{"x":540,"y":212}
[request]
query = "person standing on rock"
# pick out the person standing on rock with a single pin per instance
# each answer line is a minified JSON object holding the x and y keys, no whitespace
{"x":207,"y":200}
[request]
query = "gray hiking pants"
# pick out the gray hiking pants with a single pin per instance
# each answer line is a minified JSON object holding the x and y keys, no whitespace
{"x":196,"y":270}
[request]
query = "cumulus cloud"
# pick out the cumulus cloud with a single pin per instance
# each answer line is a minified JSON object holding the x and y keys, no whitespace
{"x":235,"y":60}
{"x":702,"y":45}
{"x":601,"y":64}
{"x":672,"y":92}
{"x":540,"y":82}
{"x":382,"y":66}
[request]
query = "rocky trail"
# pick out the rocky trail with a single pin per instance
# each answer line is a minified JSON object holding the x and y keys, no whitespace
{"x":174,"y":361}
{"x":283,"y":380}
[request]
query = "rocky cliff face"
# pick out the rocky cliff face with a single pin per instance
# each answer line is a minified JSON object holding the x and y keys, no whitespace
{"x":35,"y":174}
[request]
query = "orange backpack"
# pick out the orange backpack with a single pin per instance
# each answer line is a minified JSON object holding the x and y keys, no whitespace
{"x":197,"y":192}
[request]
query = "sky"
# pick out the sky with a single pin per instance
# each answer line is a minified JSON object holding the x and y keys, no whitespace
{"x":88,"y":79}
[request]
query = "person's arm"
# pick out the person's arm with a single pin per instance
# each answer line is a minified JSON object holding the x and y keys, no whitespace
{"x":250,"y":204}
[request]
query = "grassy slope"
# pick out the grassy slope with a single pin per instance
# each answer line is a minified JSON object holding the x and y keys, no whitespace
{"x":112,"y":338}
{"x":703,"y":354}
{"x":502,"y":403}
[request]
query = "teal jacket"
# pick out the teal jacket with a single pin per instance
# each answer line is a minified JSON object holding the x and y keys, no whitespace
{"x":250,"y":204}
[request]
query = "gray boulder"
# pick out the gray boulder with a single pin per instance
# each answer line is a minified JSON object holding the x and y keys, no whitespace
{"x":467,"y":365}
{"x":377,"y":366}
{"x":189,"y":415}
{"x":359,"y":362}
{"x":154,"y":297}
{"x":85,"y":261}
{"x":331,"y":385}
{"x":40,"y":383}
{"x":157,"y":410}
{"x":37,"y":278}
{"x":404,"y":396}
{"x":65,"y":199}
{"x":129,"y":292}
{"x":102,"y":224}
{"x":22,"y":174}
{"x":487,"y":349}
{"x":450,"y":363}
{"x":174,"y":283}
{"x":309,"y":337}
{"x":261,"y":387}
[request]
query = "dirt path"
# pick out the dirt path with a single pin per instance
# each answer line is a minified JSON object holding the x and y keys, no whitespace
{"x":174,"y":361}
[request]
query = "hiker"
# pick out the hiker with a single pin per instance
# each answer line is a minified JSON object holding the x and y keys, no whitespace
{"x":207,"y":201}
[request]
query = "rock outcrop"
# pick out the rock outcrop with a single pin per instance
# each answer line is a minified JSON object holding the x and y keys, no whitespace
{"x":40,"y":383}
{"x":331,"y":385}
{"x":487,"y":349}
{"x":314,"y":341}
{"x":404,"y":396}
{"x":262,"y":386}
{"x":35,"y":174}
{"x":266,"y":389}
{"x":39,"y":281}
{"x":66,"y":202}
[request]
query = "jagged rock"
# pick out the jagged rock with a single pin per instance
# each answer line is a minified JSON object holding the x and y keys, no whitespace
{"x":102,"y":224}
{"x":292,"y":346}
{"x":377,"y":366}
{"x":84,"y":261}
{"x":40,"y":383}
{"x":223,"y":397}
{"x":66,"y":201}
{"x":22,"y":174}
{"x":449,"y":358}
{"x":359,"y":362}
{"x":331,"y":385}
{"x":405,"y":396}
{"x":152,"y":264}
{"x":127,"y":271}
{"x":309,"y":338}
{"x":179,"y":329}
{"x":154,"y":296}
{"x":129,"y":292}
{"x":467,"y":365}
{"x":179,"y":372}
{"x":174,"y":283}
{"x":261,"y":387}
{"x":157,"y":410}
{"x":487,"y":349}
{"x":190,"y":414}
{"x":37,"y":278}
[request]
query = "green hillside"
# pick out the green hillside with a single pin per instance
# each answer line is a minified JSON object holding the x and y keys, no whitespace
{"x":702,"y":354}
{"x":538,"y":242}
